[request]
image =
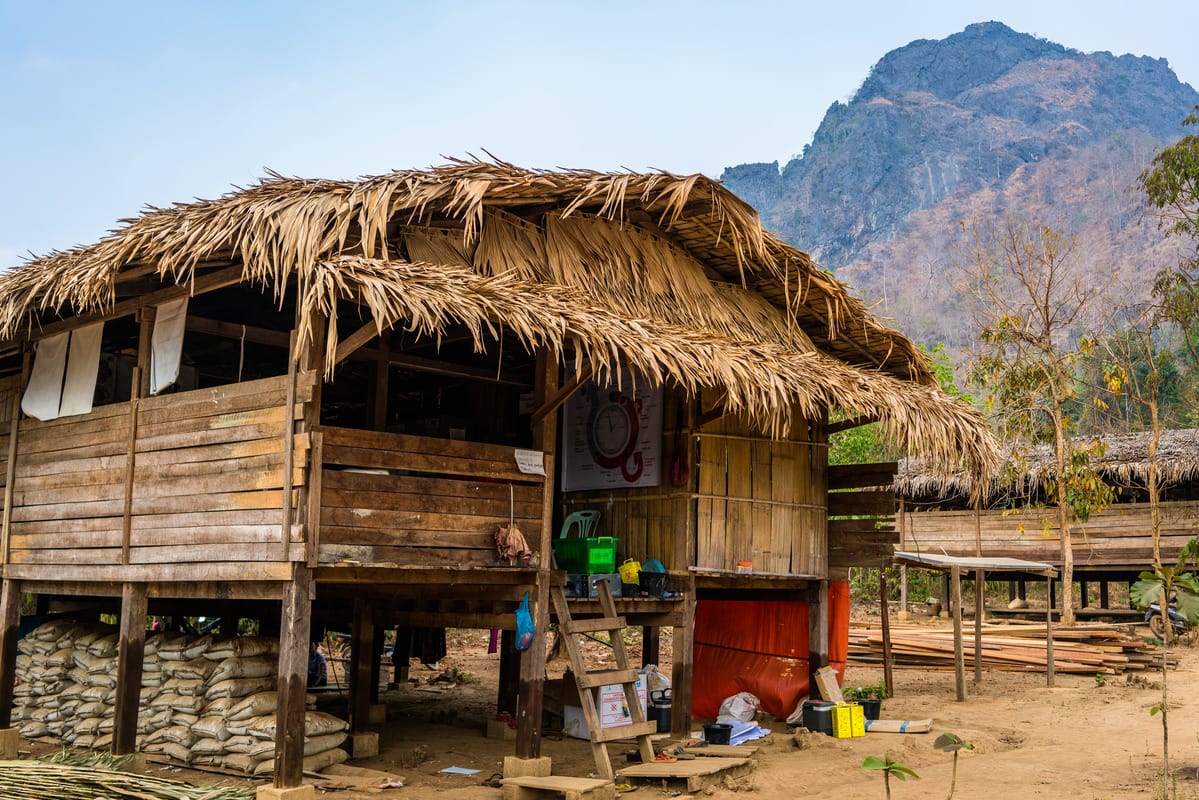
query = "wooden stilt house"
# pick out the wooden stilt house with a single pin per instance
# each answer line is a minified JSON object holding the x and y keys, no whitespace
{"x":326,"y":397}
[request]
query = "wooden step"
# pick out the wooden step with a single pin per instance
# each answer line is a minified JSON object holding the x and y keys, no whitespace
{"x":623,"y":731}
{"x":606,"y":677}
{"x":693,"y":776}
{"x":553,"y":786}
{"x":610,"y":624}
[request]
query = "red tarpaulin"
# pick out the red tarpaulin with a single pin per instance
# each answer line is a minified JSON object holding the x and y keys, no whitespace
{"x":761,"y":647}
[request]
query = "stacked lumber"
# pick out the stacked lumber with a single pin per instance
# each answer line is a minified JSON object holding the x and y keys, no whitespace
{"x":1081,"y":649}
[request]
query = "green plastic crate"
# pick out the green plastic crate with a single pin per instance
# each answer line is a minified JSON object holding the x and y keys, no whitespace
{"x":594,"y":554}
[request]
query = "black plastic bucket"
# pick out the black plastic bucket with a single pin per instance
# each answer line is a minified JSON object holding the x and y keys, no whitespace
{"x":818,"y":716}
{"x":717,"y":732}
{"x":871,"y":706}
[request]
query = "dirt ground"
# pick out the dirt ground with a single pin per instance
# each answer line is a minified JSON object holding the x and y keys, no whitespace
{"x":1081,"y":739}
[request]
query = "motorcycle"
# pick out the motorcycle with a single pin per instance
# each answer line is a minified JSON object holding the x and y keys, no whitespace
{"x":1153,"y":618}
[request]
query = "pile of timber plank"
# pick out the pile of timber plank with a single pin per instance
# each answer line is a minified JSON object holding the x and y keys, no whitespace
{"x":1082,"y":649}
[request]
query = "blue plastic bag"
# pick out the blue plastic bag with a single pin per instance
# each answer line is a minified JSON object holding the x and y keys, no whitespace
{"x":524,"y":625}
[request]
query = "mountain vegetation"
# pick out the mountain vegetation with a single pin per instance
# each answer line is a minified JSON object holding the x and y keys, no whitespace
{"x":985,"y":126}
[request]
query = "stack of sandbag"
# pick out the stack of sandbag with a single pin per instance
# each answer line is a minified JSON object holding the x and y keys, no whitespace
{"x":203,"y":701}
{"x":66,"y":683}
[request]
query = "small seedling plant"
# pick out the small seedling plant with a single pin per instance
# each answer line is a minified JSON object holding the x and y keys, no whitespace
{"x":952,"y":743}
{"x":889,"y":769}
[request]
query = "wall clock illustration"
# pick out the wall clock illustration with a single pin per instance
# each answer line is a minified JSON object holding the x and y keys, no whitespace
{"x":612,"y":430}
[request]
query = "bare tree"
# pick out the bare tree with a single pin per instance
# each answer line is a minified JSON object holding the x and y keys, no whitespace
{"x":1033,"y":306}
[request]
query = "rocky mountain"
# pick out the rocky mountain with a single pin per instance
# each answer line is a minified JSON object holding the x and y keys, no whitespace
{"x":981,"y":126}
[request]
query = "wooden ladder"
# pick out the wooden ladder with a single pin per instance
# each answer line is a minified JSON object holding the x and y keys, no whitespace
{"x":590,"y":682}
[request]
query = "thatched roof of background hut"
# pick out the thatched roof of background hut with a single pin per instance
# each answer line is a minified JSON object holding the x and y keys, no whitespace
{"x":671,"y":275}
{"x":1124,"y":462}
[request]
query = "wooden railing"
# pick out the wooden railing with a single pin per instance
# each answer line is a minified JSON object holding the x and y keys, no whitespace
{"x":393,"y":499}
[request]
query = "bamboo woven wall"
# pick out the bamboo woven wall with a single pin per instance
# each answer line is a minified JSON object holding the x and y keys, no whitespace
{"x":1116,"y":537}
{"x":761,"y":500}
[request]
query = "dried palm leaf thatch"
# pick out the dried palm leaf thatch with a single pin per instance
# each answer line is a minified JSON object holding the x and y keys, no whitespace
{"x":764,"y":379}
{"x":39,"y":780}
{"x":1124,"y":462}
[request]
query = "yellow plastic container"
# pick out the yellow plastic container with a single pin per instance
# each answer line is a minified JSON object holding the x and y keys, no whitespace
{"x":630,"y":571}
{"x":849,"y":721}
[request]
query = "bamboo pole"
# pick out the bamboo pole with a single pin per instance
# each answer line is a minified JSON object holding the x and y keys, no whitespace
{"x":959,"y":663}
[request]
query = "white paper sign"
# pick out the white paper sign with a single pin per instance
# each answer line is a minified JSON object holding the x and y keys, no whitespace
{"x":612,"y":437}
{"x":530,"y":462}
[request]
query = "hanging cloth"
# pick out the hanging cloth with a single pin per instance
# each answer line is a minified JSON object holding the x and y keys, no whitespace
{"x":166,"y":344}
{"x":43,"y":395}
{"x":83,"y":365}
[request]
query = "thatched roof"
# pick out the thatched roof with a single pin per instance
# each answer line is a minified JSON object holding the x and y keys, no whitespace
{"x":671,"y":275}
{"x":1125,"y":462}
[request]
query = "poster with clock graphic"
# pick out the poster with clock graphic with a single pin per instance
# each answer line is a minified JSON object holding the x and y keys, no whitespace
{"x":612,"y":436}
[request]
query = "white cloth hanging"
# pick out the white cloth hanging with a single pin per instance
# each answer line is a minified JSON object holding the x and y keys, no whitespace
{"x":43,"y":395}
{"x":83,"y":365}
{"x":166,"y":344}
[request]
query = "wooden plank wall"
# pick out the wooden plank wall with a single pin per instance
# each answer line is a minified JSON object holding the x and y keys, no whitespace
{"x":1119,"y":536}
{"x":861,"y":526}
{"x":207,"y":481}
{"x":429,"y":502}
{"x":760,"y":500}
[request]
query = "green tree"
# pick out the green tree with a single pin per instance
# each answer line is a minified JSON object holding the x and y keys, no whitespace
{"x":1033,"y":305}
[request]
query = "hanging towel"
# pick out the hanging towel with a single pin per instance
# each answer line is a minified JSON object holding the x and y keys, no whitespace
{"x":43,"y":394}
{"x":166,"y":344}
{"x":83,"y":365}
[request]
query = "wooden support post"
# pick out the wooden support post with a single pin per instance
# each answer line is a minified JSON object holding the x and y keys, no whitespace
{"x":683,"y":667}
{"x":130,"y":654}
{"x":10,"y":480}
{"x":1049,"y":638}
{"x":1011,"y":591}
{"x":1051,"y":599}
{"x":946,"y":599}
{"x":506,"y":697}
{"x":362,"y":647}
{"x":959,"y":661}
{"x":817,"y":628}
{"x":294,"y":631}
{"x":10,"y":620}
{"x":1104,"y":598}
{"x":903,"y":568}
{"x":885,"y":617}
{"x":980,"y":611}
{"x":1083,"y":588}
{"x":376,"y":661}
{"x":401,"y":655}
{"x":1021,"y":590}
{"x":651,"y":645}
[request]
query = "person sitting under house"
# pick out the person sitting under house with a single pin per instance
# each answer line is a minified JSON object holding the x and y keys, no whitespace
{"x":318,"y":672}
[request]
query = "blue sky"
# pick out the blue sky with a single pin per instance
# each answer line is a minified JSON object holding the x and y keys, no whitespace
{"x":111,"y":106}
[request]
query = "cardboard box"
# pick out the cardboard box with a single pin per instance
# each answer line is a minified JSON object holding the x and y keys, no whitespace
{"x":848,"y":721}
{"x":826,"y":682}
{"x":611,"y":708}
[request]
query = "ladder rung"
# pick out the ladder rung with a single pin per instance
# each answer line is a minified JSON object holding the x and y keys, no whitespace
{"x":593,"y":625}
{"x":629,"y":731}
{"x":606,"y":677}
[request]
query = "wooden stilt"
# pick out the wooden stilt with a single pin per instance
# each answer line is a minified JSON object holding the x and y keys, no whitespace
{"x":946,"y":599}
{"x":1083,"y":588}
{"x":885,"y":617}
{"x":980,"y":611}
{"x":955,"y":603}
{"x":531,"y":698}
{"x":362,"y":647}
{"x":1051,"y":595}
{"x":401,"y":655}
{"x":683,"y":668}
{"x":817,"y":628}
{"x":506,"y":697}
{"x":1104,"y":598}
{"x":651,"y":645}
{"x":294,"y":629}
{"x":1021,"y":590}
{"x":130,"y":653}
{"x":1049,"y":638}
{"x":376,"y":661}
{"x":10,"y":620}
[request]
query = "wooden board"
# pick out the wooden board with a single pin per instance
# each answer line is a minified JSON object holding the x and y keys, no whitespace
{"x":696,"y":774}
{"x":722,"y":750}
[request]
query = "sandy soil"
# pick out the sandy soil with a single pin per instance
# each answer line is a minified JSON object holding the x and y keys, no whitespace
{"x":1079,"y":739}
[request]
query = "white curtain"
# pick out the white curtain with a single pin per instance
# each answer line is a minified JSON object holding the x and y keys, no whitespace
{"x":166,"y":344}
{"x":83,"y":364}
{"x":43,"y":395}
